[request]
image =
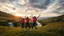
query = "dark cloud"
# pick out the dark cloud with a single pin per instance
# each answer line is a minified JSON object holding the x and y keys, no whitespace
{"x":62,"y":2}
{"x":47,"y":2}
{"x":33,"y":1}
{"x":2,"y":1}
{"x":41,"y":4}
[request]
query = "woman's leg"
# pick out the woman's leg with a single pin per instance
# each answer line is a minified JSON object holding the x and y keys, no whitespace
{"x":23,"y":25}
{"x":34,"y":25}
{"x":28,"y":25}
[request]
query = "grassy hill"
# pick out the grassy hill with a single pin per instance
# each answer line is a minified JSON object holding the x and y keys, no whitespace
{"x":53,"y":19}
{"x":5,"y":17}
{"x":54,"y":27}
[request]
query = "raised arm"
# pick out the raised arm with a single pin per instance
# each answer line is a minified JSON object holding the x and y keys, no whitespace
{"x":25,"y":16}
{"x":38,"y":16}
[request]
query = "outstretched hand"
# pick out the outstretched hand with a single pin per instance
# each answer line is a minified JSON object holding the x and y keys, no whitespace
{"x":38,"y":16}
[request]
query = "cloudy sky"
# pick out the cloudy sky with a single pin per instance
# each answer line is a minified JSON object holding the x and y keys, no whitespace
{"x":45,"y":8}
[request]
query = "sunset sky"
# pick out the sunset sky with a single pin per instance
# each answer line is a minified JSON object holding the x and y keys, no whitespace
{"x":45,"y":8}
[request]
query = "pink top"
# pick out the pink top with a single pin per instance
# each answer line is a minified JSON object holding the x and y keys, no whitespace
{"x":27,"y":19}
{"x":34,"y":19}
{"x":22,"y":20}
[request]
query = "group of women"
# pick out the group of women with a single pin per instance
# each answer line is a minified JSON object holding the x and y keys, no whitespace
{"x":26,"y":21}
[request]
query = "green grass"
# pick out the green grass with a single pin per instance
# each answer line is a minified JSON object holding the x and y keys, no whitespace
{"x":52,"y":20}
{"x":51,"y":29}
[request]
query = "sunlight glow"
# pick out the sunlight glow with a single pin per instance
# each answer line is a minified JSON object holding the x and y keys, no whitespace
{"x":18,"y":15}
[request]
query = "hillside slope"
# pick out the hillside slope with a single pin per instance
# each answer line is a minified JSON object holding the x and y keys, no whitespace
{"x":53,"y":19}
{"x":52,"y":29}
{"x":4,"y":17}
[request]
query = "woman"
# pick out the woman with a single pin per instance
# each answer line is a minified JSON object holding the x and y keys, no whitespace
{"x":34,"y":19}
{"x":27,"y":22}
{"x":22,"y":20}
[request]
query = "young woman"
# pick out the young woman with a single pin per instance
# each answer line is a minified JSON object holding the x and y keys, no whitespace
{"x":34,"y":19}
{"x":27,"y":22}
{"x":22,"y":20}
